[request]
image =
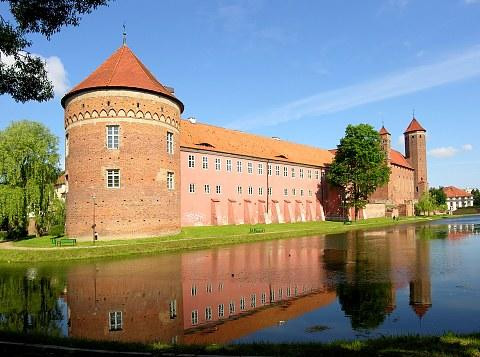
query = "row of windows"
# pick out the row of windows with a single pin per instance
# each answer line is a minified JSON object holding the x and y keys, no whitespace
{"x":250,"y":169}
{"x":250,"y":190}
{"x":113,"y":139}
{"x":243,"y":304}
{"x":113,"y":179}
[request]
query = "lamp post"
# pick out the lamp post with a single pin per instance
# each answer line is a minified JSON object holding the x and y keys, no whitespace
{"x":94,"y":233}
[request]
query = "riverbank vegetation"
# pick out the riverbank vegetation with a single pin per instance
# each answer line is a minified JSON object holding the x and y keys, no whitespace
{"x":190,"y":238}
{"x":448,"y":344}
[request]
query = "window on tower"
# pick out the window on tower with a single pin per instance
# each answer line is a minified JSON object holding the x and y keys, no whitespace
{"x":113,"y":178}
{"x":113,"y":136}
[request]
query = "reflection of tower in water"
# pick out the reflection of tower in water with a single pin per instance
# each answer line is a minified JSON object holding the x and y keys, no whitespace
{"x":420,"y":285}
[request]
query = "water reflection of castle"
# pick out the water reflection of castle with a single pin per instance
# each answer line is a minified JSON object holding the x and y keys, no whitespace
{"x":221,"y":295}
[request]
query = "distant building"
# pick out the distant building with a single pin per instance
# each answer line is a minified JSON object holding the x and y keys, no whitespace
{"x":457,"y":198}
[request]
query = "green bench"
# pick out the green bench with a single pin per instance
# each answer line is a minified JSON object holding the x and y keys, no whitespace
{"x":66,"y":241}
{"x":257,"y":230}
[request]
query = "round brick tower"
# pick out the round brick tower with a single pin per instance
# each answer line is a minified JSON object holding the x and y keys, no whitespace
{"x":122,"y":153}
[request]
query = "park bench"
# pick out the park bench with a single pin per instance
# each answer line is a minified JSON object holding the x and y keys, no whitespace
{"x":66,"y":241}
{"x":53,"y":240}
{"x":257,"y":230}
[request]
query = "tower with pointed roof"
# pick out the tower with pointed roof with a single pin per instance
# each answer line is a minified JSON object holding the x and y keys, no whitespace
{"x":416,"y":154}
{"x":122,"y":156}
{"x":386,"y":139}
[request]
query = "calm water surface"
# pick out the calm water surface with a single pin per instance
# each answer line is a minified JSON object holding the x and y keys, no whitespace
{"x":406,"y":279}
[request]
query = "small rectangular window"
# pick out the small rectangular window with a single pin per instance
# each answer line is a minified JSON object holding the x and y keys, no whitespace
{"x":113,"y":136}
{"x":294,"y":192}
{"x":310,"y":193}
{"x":264,"y":298}
{"x":191,"y":161}
{"x":293,"y":172}
{"x":218,"y":189}
{"x":191,"y":188}
{"x":242,"y":303}
{"x":269,"y":169}
{"x":194,"y":290}
{"x":207,"y":189}
{"x":116,"y":321}
{"x":239,"y":166}
{"x":250,"y":190}
{"x":301,"y":173}
{"x":270,"y":191}
{"x":260,"y":169}
{"x":221,"y":310}
{"x":173,"y":309}
{"x":253,"y":301}
{"x":231,"y":307}
{"x":194,"y":317}
{"x":316,"y":175}
{"x":301,"y":192}
{"x":260,"y":191}
{"x":309,"y":174}
{"x":218,"y":164}
{"x":208,"y":313}
{"x":277,"y":170}
{"x":229,"y":165}
{"x":239,"y":190}
{"x":285,"y":192}
{"x":113,"y":178}
{"x":249,"y":168}
{"x":67,"y":144}
{"x":169,"y":142}
{"x":285,"y":171}
{"x":272,"y":295}
{"x":205,"y":162}
{"x":170,"y":181}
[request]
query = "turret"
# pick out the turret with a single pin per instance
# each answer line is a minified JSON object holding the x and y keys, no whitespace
{"x":386,"y":139}
{"x":416,"y":155}
{"x":122,"y":156}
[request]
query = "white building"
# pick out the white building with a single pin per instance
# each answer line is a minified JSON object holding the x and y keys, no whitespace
{"x":457,"y":198}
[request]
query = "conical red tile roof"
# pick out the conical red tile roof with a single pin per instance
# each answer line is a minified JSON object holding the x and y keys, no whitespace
{"x":122,"y":70}
{"x":414,"y":126}
{"x":383,"y":131}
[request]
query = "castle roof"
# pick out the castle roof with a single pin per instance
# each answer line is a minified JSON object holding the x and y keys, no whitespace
{"x":123,"y":70}
{"x":216,"y":139}
{"x":452,"y":191}
{"x":414,"y":126}
{"x":383,"y":131}
{"x":398,"y":159}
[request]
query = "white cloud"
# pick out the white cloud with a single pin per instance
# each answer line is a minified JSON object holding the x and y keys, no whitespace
{"x":401,"y":140}
{"x":56,"y":72}
{"x":459,"y":66}
{"x":443,"y":152}
{"x":468,"y":2}
{"x":449,"y":151}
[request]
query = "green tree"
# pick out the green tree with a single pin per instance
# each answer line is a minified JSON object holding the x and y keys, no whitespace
{"x":22,"y":75}
{"x":438,"y":196}
{"x":359,"y":166}
{"x":476,"y":197}
{"x":425,"y":204}
{"x":28,"y":170}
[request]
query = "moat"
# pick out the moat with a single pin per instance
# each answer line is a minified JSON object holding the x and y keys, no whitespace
{"x":406,"y":279}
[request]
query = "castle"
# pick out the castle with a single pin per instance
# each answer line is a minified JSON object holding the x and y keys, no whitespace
{"x":135,"y":168}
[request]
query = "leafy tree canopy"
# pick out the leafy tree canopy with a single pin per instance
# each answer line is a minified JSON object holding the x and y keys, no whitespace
{"x":360,"y":165}
{"x":22,"y":75}
{"x":28,"y":170}
{"x":476,"y":197}
{"x":438,"y":196}
{"x":426,"y":204}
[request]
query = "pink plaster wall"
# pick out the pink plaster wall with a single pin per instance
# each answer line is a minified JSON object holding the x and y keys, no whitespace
{"x":229,"y":207}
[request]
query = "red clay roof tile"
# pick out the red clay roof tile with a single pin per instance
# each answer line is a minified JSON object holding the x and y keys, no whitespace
{"x":383,"y":131}
{"x":217,"y":139}
{"x":123,"y":70}
{"x":452,"y":191}
{"x":414,"y":126}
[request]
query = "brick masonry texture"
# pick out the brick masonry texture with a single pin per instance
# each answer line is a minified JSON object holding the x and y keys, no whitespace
{"x":142,"y":206}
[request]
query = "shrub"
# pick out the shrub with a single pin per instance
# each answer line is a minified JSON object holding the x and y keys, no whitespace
{"x":57,"y":230}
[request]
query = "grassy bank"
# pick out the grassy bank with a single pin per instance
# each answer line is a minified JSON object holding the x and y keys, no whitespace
{"x":446,"y":345}
{"x":191,"y":238}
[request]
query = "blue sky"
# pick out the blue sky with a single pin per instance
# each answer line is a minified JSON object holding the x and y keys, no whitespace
{"x":300,"y":70}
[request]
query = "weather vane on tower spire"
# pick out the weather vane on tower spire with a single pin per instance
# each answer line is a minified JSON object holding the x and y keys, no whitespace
{"x":124,"y":34}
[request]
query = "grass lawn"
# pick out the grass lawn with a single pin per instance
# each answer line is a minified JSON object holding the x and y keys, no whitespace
{"x":446,"y":345}
{"x":190,"y":238}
